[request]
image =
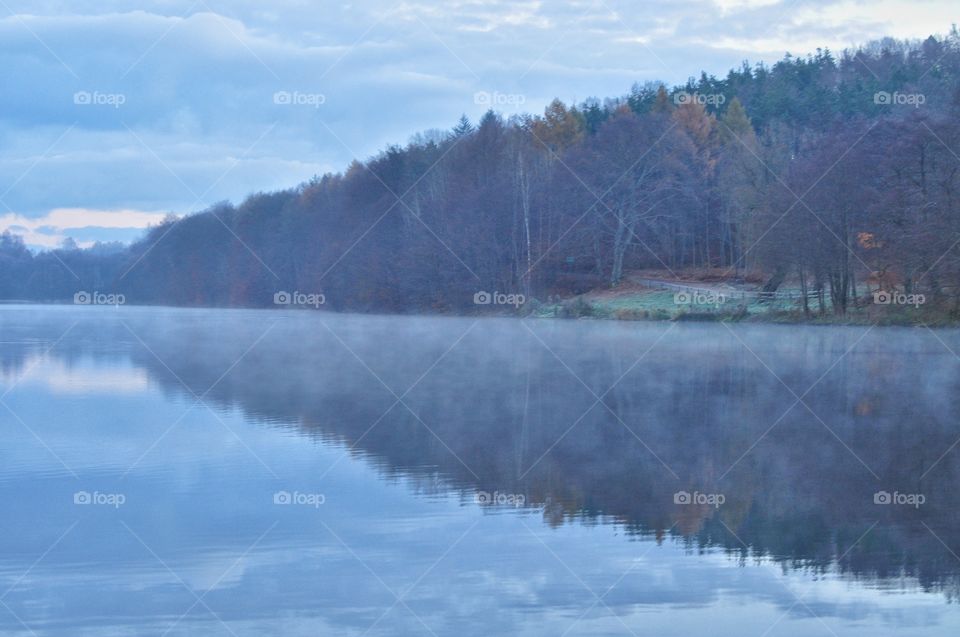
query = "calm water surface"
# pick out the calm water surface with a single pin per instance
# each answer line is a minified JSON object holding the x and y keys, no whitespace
{"x":213,"y":472}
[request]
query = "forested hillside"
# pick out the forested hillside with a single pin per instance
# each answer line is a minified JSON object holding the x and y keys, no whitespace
{"x":827,"y":170}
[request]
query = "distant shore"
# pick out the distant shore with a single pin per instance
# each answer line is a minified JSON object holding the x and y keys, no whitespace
{"x":633,"y":305}
{"x":640,"y":298}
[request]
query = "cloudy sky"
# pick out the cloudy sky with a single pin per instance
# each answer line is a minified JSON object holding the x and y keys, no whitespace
{"x":116,"y":112}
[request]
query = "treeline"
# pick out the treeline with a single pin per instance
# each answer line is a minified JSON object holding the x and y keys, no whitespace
{"x":834,"y":172}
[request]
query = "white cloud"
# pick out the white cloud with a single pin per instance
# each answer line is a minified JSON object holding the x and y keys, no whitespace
{"x":894,"y":18}
{"x":727,"y":6}
{"x":49,"y":230}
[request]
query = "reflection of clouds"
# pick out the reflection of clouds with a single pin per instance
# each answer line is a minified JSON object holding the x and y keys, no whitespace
{"x":218,"y":570}
{"x":500,"y":580}
{"x":200,"y":500}
{"x":81,"y":377}
{"x":828,"y":594}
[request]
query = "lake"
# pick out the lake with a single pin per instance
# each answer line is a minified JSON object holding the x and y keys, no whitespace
{"x":233,"y":472}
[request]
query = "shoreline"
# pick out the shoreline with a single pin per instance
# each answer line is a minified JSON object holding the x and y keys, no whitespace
{"x":587,"y":311}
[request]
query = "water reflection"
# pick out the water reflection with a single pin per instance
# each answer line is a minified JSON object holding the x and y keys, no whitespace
{"x":199,"y":418}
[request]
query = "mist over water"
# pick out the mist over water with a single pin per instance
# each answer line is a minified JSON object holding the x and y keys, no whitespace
{"x":189,"y":472}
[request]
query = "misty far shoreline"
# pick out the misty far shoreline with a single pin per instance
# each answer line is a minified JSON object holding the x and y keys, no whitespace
{"x":786,"y":321}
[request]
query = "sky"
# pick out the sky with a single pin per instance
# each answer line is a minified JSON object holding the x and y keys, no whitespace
{"x":115,"y":113}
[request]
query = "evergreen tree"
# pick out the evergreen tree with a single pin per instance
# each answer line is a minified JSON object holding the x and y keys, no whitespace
{"x":463,"y":127}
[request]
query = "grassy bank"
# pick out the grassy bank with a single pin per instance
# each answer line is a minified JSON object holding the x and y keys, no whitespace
{"x":636,"y":304}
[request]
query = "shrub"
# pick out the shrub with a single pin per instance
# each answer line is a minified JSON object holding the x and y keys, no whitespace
{"x":576,"y":308}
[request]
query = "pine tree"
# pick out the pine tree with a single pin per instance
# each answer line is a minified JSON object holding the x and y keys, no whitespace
{"x":662,"y":103}
{"x":463,"y":127}
{"x":735,"y":123}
